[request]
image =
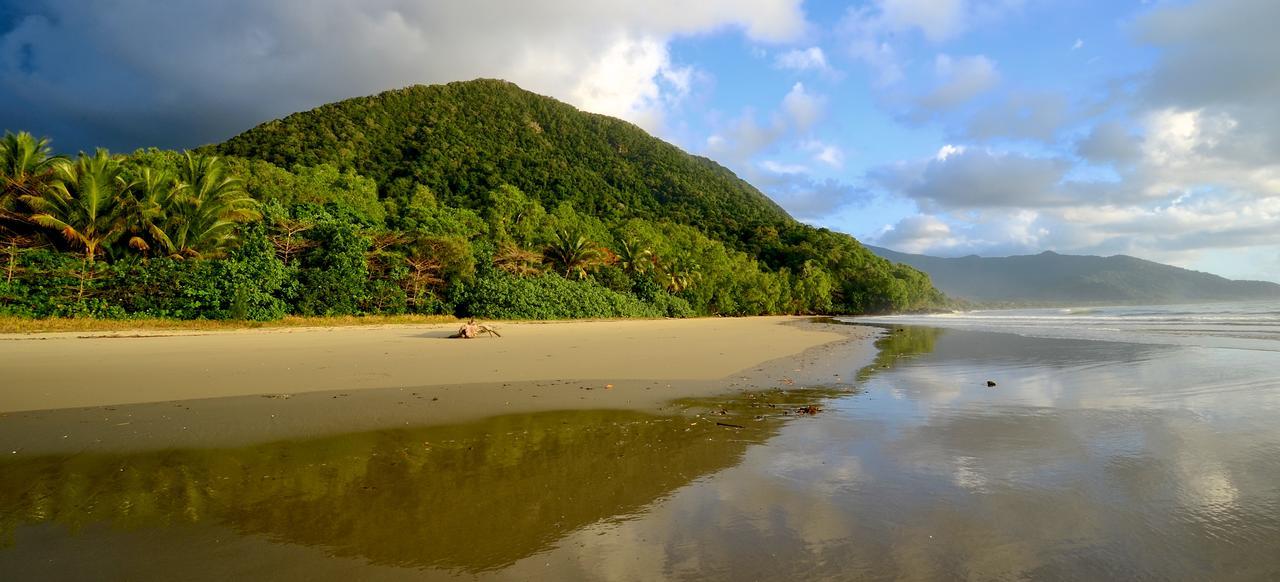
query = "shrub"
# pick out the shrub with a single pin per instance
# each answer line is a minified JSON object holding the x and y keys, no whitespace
{"x":498,"y":295}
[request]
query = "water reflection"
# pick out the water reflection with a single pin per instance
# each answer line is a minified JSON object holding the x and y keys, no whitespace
{"x":470,"y":498}
{"x":1087,"y":461}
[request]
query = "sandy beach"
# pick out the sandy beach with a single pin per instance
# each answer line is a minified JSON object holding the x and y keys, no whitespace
{"x":125,"y":390}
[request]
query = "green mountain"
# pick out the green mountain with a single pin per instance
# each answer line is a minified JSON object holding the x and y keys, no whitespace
{"x":473,"y":199}
{"x":463,"y":140}
{"x":1053,"y":278}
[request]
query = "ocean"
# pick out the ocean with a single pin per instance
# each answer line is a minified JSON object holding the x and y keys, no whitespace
{"x":1251,"y":325}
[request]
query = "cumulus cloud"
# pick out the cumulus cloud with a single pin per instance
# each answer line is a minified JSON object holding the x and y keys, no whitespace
{"x":803,"y":107}
{"x":745,"y":138}
{"x":134,"y":72}
{"x":991,"y":233}
{"x":959,"y":80}
{"x":810,"y":59}
{"x":958,"y":178}
{"x":742,"y":142}
{"x":1109,"y":143}
{"x":1190,"y":154}
{"x":1037,"y":116}
{"x":829,"y":154}
{"x":1214,"y":53}
{"x":802,"y":195}
{"x":937,"y":20}
{"x":870,"y":30}
{"x":918,"y":234}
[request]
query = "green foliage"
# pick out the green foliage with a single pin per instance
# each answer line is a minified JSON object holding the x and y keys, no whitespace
{"x":27,"y":164}
{"x":499,"y":295}
{"x":572,"y":255}
{"x":474,"y":198}
{"x":84,"y":202}
{"x":332,"y":275}
{"x":210,"y":204}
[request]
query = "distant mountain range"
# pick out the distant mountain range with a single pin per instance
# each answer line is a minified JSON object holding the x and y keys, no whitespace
{"x":1050,"y":277}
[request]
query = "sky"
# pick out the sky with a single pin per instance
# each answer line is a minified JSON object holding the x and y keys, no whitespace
{"x":943,"y":127}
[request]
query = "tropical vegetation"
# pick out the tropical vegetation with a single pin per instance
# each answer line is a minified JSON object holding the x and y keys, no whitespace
{"x":471,"y":199}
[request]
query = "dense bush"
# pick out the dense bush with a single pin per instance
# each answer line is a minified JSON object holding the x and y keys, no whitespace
{"x":499,"y":295}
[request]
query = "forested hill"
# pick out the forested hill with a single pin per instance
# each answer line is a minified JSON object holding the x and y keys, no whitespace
{"x":463,"y":139}
{"x":1052,"y":277}
{"x":472,"y":199}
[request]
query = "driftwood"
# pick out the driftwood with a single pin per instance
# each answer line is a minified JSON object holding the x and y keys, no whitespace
{"x":473,"y":330}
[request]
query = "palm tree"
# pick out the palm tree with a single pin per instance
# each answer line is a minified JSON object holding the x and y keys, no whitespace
{"x":146,"y":209}
{"x":679,"y":273}
{"x":573,"y":254}
{"x":83,"y":201}
{"x":205,"y":213}
{"x":26,"y":166}
{"x":633,"y":258}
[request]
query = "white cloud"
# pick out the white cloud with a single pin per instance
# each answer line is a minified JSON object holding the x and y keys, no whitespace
{"x":1183,"y":162}
{"x":781,"y":168}
{"x":920,"y":234}
{"x":937,"y":20}
{"x":960,"y":178}
{"x":829,"y":154}
{"x":1037,"y":116}
{"x":810,"y":59}
{"x":947,"y":151}
{"x":803,"y":196}
{"x":870,"y":30}
{"x":745,"y":138}
{"x":959,"y":80}
{"x":803,"y":107}
{"x":135,"y":72}
{"x":628,"y":81}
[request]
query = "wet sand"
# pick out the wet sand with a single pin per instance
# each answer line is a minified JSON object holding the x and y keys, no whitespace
{"x":77,"y":392}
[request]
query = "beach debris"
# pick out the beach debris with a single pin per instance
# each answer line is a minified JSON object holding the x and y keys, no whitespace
{"x":729,"y":425}
{"x":991,"y":384}
{"x":811,"y":409}
{"x":473,"y":330}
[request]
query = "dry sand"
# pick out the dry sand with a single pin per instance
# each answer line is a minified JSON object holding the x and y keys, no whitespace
{"x":145,"y":390}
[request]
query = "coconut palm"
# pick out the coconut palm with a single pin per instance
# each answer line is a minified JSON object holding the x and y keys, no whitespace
{"x":633,"y":258}
{"x":146,"y":209}
{"x":573,"y":254}
{"x":83,"y":201}
{"x":26,"y":166}
{"x":205,"y":213}
{"x":679,"y":273}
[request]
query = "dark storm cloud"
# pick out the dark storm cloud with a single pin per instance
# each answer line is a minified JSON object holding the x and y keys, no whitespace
{"x":179,"y":73}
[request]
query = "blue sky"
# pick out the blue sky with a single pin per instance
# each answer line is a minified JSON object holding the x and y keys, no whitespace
{"x":944,"y":127}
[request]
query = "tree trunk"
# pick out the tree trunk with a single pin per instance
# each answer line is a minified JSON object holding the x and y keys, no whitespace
{"x":89,"y":251}
{"x":13,"y":260}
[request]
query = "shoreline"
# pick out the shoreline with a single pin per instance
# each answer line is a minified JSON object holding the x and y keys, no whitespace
{"x":303,"y":383}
